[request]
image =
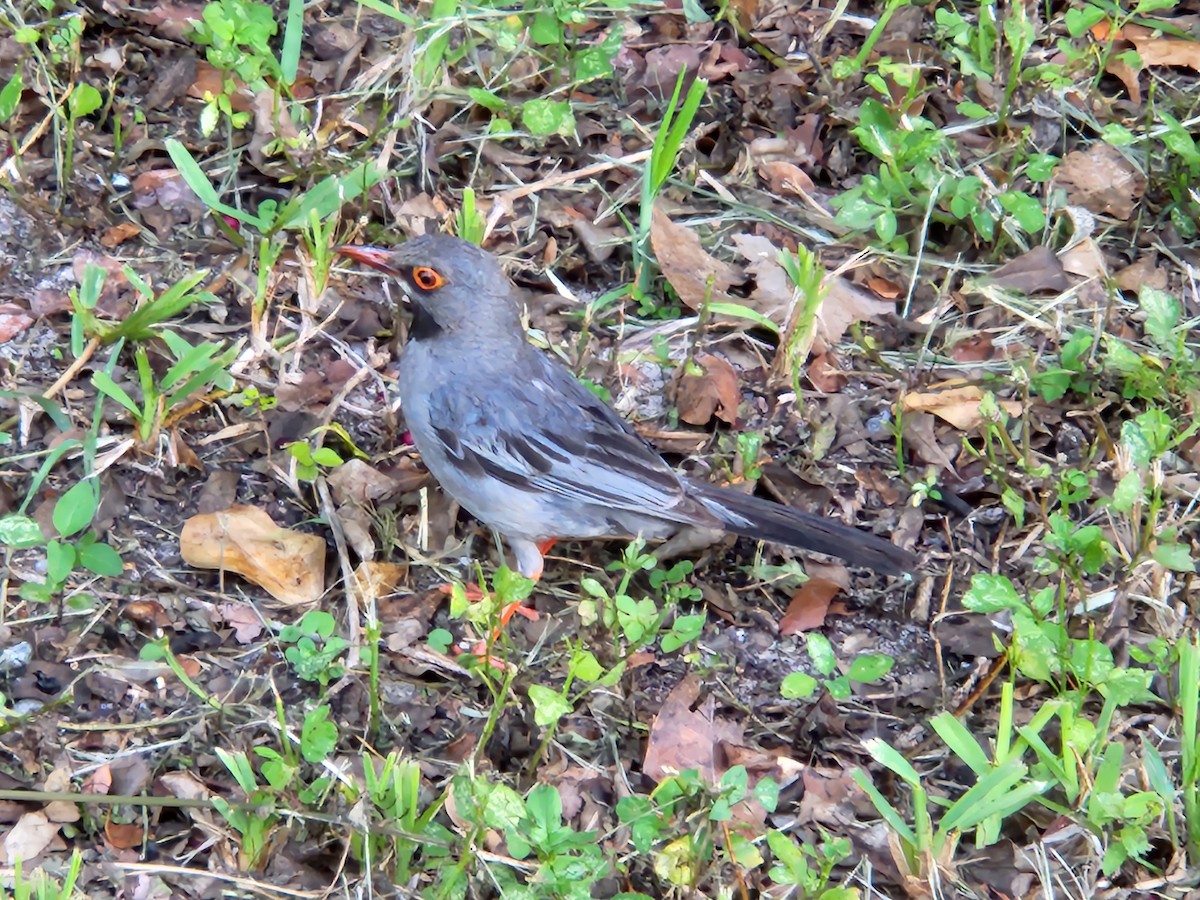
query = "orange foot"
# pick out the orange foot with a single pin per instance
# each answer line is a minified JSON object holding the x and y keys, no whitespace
{"x":506,"y":614}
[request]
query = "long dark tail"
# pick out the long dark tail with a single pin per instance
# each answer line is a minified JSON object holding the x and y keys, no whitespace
{"x":764,"y":520}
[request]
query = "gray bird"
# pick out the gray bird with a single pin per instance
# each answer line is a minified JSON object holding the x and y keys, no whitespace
{"x":518,"y":441}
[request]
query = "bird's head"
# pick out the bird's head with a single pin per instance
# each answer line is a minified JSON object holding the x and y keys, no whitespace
{"x":453,"y":285}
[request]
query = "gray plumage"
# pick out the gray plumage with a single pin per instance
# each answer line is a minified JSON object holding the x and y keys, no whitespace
{"x":519,"y":442}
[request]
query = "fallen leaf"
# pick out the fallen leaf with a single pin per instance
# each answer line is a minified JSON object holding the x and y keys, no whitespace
{"x":13,"y":320}
{"x":713,"y":392}
{"x":976,"y":348}
{"x":119,"y":234}
{"x":697,"y":277}
{"x":1144,"y":271}
{"x":843,"y":304}
{"x":783,"y":178}
{"x":825,"y":373}
{"x":1032,"y":272}
{"x":123,"y":837}
{"x":289,"y":565}
{"x":246,"y":623}
{"x":682,"y":738}
{"x":957,"y":404}
{"x":1101,"y":180}
{"x":31,"y":835}
{"x":1085,"y":260}
{"x":808,"y":606}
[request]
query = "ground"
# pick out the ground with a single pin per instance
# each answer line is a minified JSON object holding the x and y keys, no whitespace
{"x":927,"y":271}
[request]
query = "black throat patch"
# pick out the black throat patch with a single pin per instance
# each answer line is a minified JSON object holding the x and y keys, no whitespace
{"x":424,"y":326}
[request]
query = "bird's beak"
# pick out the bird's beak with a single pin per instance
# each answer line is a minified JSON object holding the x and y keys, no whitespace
{"x":369,"y":256}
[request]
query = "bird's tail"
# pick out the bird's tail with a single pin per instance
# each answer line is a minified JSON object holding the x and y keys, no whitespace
{"x":764,"y":520}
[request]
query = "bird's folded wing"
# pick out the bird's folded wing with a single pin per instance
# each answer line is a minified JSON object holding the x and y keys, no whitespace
{"x":557,"y":437}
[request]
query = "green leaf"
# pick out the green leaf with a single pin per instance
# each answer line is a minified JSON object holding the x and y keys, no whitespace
{"x":798,"y":686}
{"x":76,"y":508}
{"x":20,"y":532}
{"x":1177,"y":557}
{"x":548,"y":705}
{"x":546,"y":117}
{"x":991,"y":593}
{"x":545,"y":29}
{"x":101,"y":559}
{"x":10,"y":96}
{"x":84,"y":100}
{"x":60,"y":561}
{"x":318,"y":736}
{"x":194,"y":177}
{"x":1163,"y":314}
{"x":103,"y":382}
{"x":327,"y":197}
{"x":820,"y":650}
{"x":1026,"y":210}
{"x":870,"y":667}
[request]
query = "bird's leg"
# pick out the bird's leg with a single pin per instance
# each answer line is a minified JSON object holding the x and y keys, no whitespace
{"x":530,"y":563}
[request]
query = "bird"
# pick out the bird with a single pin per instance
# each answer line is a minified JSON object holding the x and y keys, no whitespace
{"x":511,"y":434}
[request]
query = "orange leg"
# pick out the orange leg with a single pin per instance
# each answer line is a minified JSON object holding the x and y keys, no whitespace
{"x":514,"y":608}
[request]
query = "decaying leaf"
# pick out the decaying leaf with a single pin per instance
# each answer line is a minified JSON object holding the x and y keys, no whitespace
{"x":289,"y":565}
{"x":956,"y":403}
{"x":808,"y":606}
{"x":697,"y":277}
{"x":1102,"y":180}
{"x":713,"y":392}
{"x":682,"y":738}
{"x":844,"y":302}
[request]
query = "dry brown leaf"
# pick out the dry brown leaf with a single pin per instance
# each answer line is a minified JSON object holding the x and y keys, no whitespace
{"x":1144,"y":271}
{"x":1085,"y":260}
{"x":976,"y":348}
{"x":123,"y":837}
{"x":697,"y":277}
{"x":246,"y":623}
{"x":1100,"y":179}
{"x":13,"y":320}
{"x":32,"y":835}
{"x":1152,"y":47}
{"x":377,"y":579}
{"x":808,"y":606}
{"x":1032,"y":272}
{"x":825,"y":373}
{"x":783,"y":177}
{"x":957,"y":404}
{"x":715,"y":392}
{"x":682,"y":738}
{"x":356,"y":481}
{"x":289,"y":565}
{"x":119,"y":234}
{"x":844,"y":302}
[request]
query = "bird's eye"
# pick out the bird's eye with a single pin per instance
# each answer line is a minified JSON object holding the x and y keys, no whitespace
{"x":427,"y":279}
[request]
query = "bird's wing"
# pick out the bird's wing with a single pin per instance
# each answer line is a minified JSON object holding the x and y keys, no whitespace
{"x":550,"y":433}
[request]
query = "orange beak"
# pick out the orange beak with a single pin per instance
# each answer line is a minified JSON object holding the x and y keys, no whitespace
{"x":369,"y":256}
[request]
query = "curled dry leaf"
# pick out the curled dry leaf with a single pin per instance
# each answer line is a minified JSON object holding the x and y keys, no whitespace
{"x":289,"y":565}
{"x":697,"y":277}
{"x":955,"y":403}
{"x":714,"y":392}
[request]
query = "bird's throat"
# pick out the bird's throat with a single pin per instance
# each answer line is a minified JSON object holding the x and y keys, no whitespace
{"x":424,"y":326}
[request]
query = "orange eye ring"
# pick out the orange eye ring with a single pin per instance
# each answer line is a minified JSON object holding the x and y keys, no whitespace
{"x":427,"y":279}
